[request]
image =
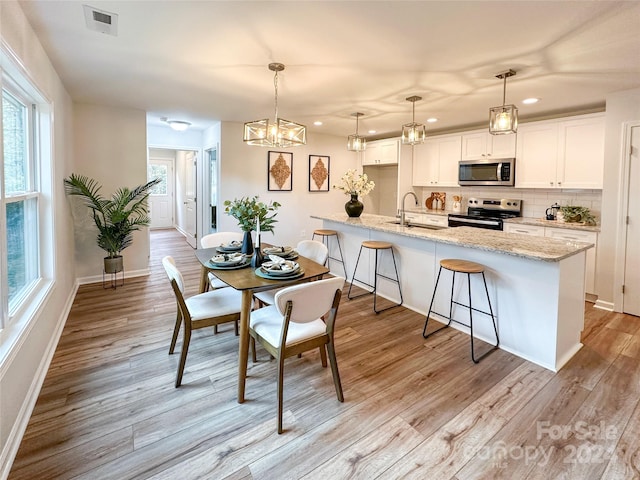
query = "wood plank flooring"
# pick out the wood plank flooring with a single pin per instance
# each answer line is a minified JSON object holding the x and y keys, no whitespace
{"x":413,"y":408}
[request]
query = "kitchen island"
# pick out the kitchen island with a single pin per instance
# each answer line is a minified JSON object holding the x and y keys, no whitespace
{"x":536,"y":284}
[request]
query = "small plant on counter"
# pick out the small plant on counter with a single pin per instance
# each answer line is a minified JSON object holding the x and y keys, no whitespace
{"x":577,"y":214}
{"x":246,"y":209}
{"x":353,"y":184}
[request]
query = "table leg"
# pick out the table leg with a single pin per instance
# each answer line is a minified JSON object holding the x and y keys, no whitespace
{"x":204,"y":278}
{"x":243,"y":354}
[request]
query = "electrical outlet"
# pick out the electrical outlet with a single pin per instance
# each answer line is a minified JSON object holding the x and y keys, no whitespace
{"x":303,"y":234}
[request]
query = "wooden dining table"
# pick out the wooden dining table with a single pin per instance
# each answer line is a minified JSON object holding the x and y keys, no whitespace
{"x":246,"y":281}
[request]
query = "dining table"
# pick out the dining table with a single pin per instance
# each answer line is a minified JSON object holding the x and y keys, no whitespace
{"x":247,"y":281}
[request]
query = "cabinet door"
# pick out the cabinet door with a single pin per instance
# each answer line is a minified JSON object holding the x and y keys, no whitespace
{"x":389,"y":152}
{"x":537,"y":154}
{"x":581,"y":153}
{"x":449,"y":149}
{"x":501,"y":146}
{"x":372,"y":154}
{"x":426,"y":163}
{"x":474,"y":146}
{"x":578,"y":236}
{"x":435,"y":220}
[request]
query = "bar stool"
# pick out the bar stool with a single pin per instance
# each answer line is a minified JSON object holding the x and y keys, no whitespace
{"x":326,"y":235}
{"x":462,"y":266}
{"x":377,"y":247}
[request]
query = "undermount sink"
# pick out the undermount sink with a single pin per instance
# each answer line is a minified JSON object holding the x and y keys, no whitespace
{"x":416,"y":225}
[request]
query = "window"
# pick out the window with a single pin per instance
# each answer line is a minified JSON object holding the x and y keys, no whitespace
{"x":26,"y":130}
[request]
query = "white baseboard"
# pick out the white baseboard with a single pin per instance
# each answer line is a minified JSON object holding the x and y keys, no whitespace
{"x":10,"y":450}
{"x":99,"y":278}
{"x":602,"y":305}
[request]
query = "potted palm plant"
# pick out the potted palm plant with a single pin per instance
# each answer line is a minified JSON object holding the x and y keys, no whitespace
{"x":116,"y":217}
{"x":248,"y":211}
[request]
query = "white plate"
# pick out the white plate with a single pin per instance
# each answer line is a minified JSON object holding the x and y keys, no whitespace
{"x":231,"y":246}
{"x":280,"y":251}
{"x":227,"y":259}
{"x":282,"y":269}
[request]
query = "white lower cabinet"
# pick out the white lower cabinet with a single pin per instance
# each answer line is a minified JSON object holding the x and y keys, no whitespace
{"x":569,"y":235}
{"x":435,"y":220}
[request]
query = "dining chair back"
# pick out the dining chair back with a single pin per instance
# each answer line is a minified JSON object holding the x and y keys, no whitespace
{"x":199,"y":311}
{"x":302,"y":318}
{"x":311,"y":249}
{"x":216,"y":239}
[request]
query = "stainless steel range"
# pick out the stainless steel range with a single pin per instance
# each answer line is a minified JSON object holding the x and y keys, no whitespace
{"x":487,"y":213}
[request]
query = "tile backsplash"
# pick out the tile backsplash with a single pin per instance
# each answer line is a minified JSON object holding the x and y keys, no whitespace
{"x":534,"y":201}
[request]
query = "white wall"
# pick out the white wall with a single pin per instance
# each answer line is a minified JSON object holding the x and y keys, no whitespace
{"x":243,"y":170}
{"x":23,"y":366}
{"x":621,"y":107}
{"x":110,"y":147}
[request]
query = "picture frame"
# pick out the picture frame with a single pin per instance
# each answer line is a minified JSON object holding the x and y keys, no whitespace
{"x":319,"y":173}
{"x":280,"y":171}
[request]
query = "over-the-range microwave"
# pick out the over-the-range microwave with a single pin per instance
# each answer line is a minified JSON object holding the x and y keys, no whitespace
{"x":489,"y":171}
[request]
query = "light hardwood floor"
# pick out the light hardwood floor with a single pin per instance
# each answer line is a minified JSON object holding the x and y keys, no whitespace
{"x":413,"y":408}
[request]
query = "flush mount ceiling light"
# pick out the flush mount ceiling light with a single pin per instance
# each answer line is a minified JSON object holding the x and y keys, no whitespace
{"x":413,"y":133}
{"x":178,"y":125}
{"x":279,"y":133}
{"x":356,"y":143}
{"x":503,"y":119}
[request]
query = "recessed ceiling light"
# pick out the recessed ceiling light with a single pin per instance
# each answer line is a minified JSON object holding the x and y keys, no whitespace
{"x":530,"y":101}
{"x":432,"y":120}
{"x":317,"y":123}
{"x":372,"y":132}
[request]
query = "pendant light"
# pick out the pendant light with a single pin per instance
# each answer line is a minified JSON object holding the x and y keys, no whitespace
{"x":504,"y":119}
{"x":413,"y":133}
{"x":280,"y":133}
{"x":356,"y":143}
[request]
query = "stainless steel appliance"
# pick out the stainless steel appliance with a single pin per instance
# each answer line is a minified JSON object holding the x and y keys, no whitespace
{"x":487,"y":213}
{"x":488,"y":172}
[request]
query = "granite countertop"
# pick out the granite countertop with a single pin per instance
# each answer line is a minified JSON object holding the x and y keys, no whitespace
{"x":542,"y":222}
{"x":526,"y":246}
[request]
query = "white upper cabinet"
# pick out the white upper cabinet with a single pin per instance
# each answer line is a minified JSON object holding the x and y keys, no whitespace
{"x":435,"y":162}
{"x":566,"y":153}
{"x":481,"y":145}
{"x":382,"y":152}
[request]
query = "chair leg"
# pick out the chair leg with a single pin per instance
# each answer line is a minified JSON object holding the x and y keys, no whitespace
{"x":254,"y":358}
{"x":176,"y":330}
{"x":215,"y":329}
{"x":426,"y":323}
{"x":183,"y":354}
{"x":344,"y":268}
{"x":280,"y":389}
{"x":323,"y":356}
{"x":235,"y":326}
{"x":334,"y":370}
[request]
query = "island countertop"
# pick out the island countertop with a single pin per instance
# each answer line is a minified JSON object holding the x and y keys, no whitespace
{"x":525,"y":246}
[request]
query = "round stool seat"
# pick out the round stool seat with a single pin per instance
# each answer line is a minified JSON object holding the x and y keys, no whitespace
{"x":325,"y":233}
{"x":462,"y":266}
{"x":376,"y":245}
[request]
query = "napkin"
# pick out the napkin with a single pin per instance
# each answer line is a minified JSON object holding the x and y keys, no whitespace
{"x":276,"y":259}
{"x":226,"y":257}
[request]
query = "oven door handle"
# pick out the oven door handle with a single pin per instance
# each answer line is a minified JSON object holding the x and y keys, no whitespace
{"x":460,"y":221}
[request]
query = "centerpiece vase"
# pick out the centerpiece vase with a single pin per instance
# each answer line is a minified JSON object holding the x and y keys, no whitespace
{"x":247,"y":244}
{"x":257,"y":259}
{"x":354,"y":206}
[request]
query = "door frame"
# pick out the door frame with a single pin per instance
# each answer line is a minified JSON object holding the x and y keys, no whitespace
{"x":172,"y":180}
{"x":621,"y":227}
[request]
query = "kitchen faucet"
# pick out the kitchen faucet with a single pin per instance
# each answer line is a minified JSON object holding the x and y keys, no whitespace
{"x":402,"y":221}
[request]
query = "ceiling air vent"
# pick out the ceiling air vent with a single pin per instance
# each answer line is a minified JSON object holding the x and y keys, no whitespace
{"x":101,"y":21}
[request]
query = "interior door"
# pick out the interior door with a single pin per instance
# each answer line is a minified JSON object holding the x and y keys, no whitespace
{"x":190,"y":200}
{"x":631,"y":297}
{"x":161,"y":198}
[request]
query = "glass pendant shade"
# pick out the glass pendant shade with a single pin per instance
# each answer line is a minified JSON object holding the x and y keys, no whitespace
{"x":503,"y":120}
{"x":413,"y":133}
{"x":278,"y":133}
{"x":356,"y":143}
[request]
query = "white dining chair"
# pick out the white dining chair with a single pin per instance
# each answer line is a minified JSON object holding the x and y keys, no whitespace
{"x":216,"y":239}
{"x":199,"y":311}
{"x":311,"y":249}
{"x":302,"y":318}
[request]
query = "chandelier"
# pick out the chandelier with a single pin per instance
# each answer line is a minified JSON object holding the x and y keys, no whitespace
{"x":504,"y":119}
{"x":413,"y":133}
{"x":280,"y":133}
{"x":356,"y":143}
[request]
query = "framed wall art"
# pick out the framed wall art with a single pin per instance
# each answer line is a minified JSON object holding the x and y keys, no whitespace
{"x":319,"y":173}
{"x":280,"y":171}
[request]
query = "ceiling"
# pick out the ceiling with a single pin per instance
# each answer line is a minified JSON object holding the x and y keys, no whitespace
{"x":206,"y":61}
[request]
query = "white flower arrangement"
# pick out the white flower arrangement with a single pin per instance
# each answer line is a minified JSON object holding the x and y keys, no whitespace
{"x":353,"y":184}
